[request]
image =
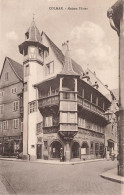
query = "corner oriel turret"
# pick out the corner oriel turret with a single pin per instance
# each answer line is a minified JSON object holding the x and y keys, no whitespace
{"x":32,"y":48}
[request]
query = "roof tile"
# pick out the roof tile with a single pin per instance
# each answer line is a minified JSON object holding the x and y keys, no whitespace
{"x":18,"y":68}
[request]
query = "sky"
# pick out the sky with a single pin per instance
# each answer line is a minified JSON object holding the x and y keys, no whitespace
{"x":92,"y":42}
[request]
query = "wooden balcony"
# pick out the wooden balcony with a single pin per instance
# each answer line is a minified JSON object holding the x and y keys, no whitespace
{"x":85,"y":104}
{"x":48,"y":101}
{"x":52,"y":129}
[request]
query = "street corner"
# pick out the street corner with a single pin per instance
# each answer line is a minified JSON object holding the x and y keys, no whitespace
{"x":112,"y":176}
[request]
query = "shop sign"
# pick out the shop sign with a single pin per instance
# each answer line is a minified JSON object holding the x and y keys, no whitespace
{"x":83,"y":150}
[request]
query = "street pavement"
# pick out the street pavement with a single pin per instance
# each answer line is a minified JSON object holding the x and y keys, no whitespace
{"x":49,"y":179}
{"x":2,"y":187}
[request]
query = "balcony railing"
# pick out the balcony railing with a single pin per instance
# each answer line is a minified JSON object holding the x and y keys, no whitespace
{"x":53,"y":129}
{"x":48,"y":101}
{"x":90,"y":106}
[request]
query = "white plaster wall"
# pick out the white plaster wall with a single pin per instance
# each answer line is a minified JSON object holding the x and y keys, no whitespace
{"x":52,"y":57}
{"x":25,"y":123}
{"x":32,"y":133}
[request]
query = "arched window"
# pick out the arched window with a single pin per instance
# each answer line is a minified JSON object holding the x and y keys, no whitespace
{"x":85,"y":148}
{"x":91,"y":147}
{"x":55,"y":149}
{"x":101,"y":151}
{"x":96,"y":149}
{"x":75,"y":150}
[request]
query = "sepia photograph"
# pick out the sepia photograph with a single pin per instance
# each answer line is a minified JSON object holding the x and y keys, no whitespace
{"x":62,"y":97}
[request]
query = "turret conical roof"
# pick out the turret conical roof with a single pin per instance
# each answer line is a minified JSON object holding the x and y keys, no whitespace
{"x":33,"y":33}
{"x":68,"y":68}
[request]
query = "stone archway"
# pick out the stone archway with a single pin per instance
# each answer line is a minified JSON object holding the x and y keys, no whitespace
{"x":55,"y":149}
{"x":85,"y":148}
{"x":75,"y":150}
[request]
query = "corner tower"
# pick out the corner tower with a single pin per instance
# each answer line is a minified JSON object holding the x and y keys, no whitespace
{"x":33,"y":52}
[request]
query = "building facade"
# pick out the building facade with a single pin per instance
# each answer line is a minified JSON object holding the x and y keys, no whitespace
{"x":63,"y":108}
{"x":11,"y":84}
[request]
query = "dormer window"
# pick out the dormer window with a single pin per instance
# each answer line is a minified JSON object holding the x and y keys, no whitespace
{"x":50,"y":68}
{"x":27,"y":35}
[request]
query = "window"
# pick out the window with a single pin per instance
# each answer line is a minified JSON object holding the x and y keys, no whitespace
{"x":21,"y":126}
{"x":1,"y":94}
{"x":72,"y":118}
{"x":48,"y":121}
{"x":39,"y":128}
{"x":64,"y":117}
{"x":5,"y":125}
{"x":27,"y":70}
{"x":81,"y":122}
{"x":94,"y":127}
{"x":49,"y":68}
{"x":32,"y":107}
{"x":41,"y":52}
{"x":6,"y":76}
{"x":16,"y":106}
{"x":27,"y":35}
{"x":14,"y":90}
{"x":91,"y":147}
{"x":16,"y":123}
{"x":101,"y":148}
{"x":45,"y":145}
{"x":96,"y":149}
{"x":1,"y":109}
{"x":68,"y":117}
{"x":0,"y":125}
{"x":68,"y":96}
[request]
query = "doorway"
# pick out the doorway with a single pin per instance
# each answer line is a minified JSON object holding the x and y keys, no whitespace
{"x":75,"y":150}
{"x":55,"y":149}
{"x":39,"y":151}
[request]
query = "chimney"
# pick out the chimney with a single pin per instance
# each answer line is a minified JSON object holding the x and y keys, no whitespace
{"x":64,"y":48}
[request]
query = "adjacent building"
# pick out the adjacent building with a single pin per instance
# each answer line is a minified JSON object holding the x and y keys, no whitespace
{"x":63,"y":108}
{"x":11,"y":84}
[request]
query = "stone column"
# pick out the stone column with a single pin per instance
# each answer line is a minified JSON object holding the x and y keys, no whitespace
{"x":67,"y":152}
{"x":60,"y":87}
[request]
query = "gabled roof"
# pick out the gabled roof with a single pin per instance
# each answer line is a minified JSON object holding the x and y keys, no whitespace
{"x":76,"y":67}
{"x":108,"y":91}
{"x":116,"y":93}
{"x":17,"y":68}
{"x":97,"y":79}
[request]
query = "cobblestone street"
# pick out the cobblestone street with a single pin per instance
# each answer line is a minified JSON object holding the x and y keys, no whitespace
{"x":38,"y":178}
